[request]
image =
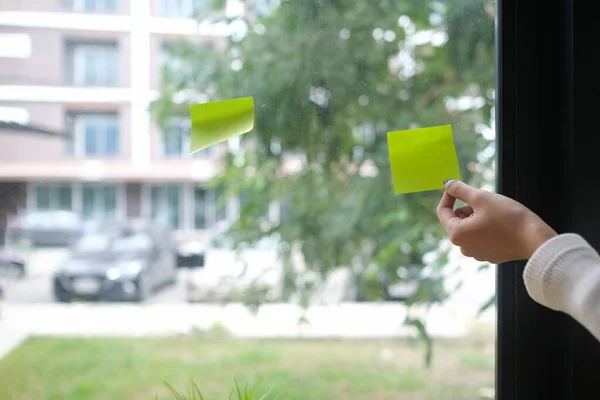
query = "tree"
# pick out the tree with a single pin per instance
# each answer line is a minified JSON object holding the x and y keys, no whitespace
{"x":330,"y":78}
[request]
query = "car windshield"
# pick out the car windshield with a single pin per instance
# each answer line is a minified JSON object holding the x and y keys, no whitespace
{"x":61,"y":219}
{"x":136,"y":242}
{"x":106,"y":242}
{"x":93,"y":243}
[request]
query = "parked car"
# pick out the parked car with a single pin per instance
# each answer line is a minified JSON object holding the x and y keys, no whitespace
{"x":233,"y":275}
{"x":117,"y":262}
{"x":190,"y":254}
{"x":12,"y":264}
{"x":334,"y":287}
{"x":45,"y":228}
{"x":412,"y":280}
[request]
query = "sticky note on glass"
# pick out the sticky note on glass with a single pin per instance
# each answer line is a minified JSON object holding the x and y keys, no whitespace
{"x":421,"y":159}
{"x":220,"y":120}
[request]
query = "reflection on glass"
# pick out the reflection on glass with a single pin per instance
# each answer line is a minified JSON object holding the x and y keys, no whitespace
{"x":89,"y":203}
{"x":165,"y":204}
{"x":53,"y":197}
{"x":43,"y":198}
{"x":92,"y":63}
{"x":64,"y":198}
{"x":310,"y":188}
{"x":180,"y":8}
{"x":97,"y":134}
{"x":99,"y":202}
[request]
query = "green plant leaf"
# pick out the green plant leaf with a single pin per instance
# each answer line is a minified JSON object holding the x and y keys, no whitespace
{"x":197,"y":391}
{"x":264,"y":396}
{"x":237,"y":388}
{"x":424,"y":336}
{"x":174,"y":392}
{"x":255,"y":388}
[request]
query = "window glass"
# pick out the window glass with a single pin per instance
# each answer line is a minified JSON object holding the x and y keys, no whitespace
{"x":136,"y":242}
{"x":89,"y":203}
{"x":210,"y":207}
{"x":263,"y":7}
{"x":97,"y":134}
{"x":91,"y":6}
{"x":110,"y":202}
{"x":92,"y":64}
{"x":174,"y":138}
{"x":176,"y":141}
{"x":53,"y":197}
{"x":43,"y":198}
{"x":305,"y":196}
{"x":220,"y":204}
{"x":99,"y":202}
{"x":64,"y":198}
{"x":181,"y":8}
{"x":93,"y":243}
{"x":165,"y":204}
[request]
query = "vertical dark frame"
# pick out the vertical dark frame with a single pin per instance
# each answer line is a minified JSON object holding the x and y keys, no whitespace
{"x":547,"y":112}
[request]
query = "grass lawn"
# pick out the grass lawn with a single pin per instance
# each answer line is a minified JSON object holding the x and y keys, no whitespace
{"x":131,"y":369}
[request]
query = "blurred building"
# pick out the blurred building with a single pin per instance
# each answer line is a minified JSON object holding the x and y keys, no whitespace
{"x":89,"y":69}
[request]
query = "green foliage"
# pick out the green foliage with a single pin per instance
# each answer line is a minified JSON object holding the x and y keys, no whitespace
{"x":194,"y":393}
{"x":325,"y":92}
{"x":424,"y":336}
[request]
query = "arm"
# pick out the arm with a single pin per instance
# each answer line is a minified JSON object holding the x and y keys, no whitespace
{"x":564,"y":274}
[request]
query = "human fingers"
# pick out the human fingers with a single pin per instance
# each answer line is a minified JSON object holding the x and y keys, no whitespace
{"x":464,"y":212}
{"x":462,"y":191}
{"x":445,"y":211}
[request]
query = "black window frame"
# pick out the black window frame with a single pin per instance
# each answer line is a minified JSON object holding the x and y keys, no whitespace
{"x":546,"y":138}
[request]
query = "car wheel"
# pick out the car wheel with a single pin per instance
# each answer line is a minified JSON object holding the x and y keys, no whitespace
{"x":18,"y":270}
{"x":143,"y":289}
{"x":63,"y":298}
{"x":12,"y":271}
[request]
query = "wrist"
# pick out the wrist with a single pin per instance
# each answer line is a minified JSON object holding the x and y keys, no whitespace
{"x":537,"y":233}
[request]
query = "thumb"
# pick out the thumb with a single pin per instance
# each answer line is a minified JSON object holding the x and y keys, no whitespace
{"x":460,"y":190}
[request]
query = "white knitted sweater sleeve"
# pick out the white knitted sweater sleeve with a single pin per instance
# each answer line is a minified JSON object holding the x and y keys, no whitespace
{"x":564,"y":275}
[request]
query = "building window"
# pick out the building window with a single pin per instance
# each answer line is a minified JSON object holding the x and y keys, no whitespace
{"x":170,"y":61}
{"x":181,"y":8}
{"x":261,"y":8}
{"x":91,"y":6}
{"x":92,"y":63}
{"x":165,"y":203}
{"x":97,"y":135}
{"x":99,"y":202}
{"x":52,"y":197}
{"x":176,"y":141}
{"x":209,"y":207}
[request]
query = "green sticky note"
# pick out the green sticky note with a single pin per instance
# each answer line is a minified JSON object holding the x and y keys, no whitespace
{"x":220,"y":120}
{"x":421,"y":159}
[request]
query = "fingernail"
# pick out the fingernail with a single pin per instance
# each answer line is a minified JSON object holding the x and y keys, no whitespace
{"x":448,"y":181}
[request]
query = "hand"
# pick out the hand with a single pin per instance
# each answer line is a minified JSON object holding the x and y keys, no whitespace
{"x":491,"y":227}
